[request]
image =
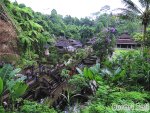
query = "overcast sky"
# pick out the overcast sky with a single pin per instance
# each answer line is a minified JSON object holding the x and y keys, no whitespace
{"x":75,"y":8}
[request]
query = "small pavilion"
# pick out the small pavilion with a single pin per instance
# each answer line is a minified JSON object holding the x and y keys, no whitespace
{"x":125,"y":41}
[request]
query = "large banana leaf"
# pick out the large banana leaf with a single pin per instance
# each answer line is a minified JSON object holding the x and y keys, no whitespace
{"x":14,"y":72}
{"x":10,"y":84}
{"x":85,"y":72}
{"x":95,"y":69}
{"x":5,"y":71}
{"x":19,"y":89}
{"x":98,"y":77}
{"x":90,"y":74}
{"x":106,"y":71}
{"x":117,"y":71}
{"x":79,"y":71}
{"x":1,"y":85}
{"x":119,"y":75}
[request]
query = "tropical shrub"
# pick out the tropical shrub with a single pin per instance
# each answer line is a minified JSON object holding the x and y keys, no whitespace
{"x":104,"y":44}
{"x":138,"y":37}
{"x":34,"y":107}
{"x":97,"y":108}
{"x":2,"y":110}
{"x":136,"y":66}
{"x":65,"y":73}
{"x":53,"y":58}
{"x":66,"y":57}
{"x":82,"y":53}
{"x":9,"y":81}
{"x":107,"y":96}
{"x":78,"y":82}
{"x":147,"y":38}
{"x":85,"y":77}
{"x":10,"y":58}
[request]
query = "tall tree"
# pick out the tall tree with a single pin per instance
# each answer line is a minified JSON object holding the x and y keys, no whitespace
{"x":143,"y":11}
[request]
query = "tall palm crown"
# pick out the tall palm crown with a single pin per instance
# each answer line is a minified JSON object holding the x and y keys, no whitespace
{"x":143,"y":11}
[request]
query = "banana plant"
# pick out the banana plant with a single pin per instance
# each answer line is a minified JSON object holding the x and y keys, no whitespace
{"x":65,"y":73}
{"x":1,"y":89}
{"x":90,"y":77}
{"x":113,"y":75}
{"x":16,"y":89}
{"x":10,"y":82}
{"x":92,"y":73}
{"x":69,"y":97}
{"x":4,"y":73}
{"x":1,"y":85}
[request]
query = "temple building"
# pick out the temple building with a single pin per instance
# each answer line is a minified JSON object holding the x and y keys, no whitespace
{"x":126,"y":41}
{"x":70,"y":45}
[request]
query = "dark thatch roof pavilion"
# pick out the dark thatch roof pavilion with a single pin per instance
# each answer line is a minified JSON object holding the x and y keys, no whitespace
{"x":126,"y":41}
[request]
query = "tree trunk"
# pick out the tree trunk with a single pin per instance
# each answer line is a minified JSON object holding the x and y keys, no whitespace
{"x":144,"y":34}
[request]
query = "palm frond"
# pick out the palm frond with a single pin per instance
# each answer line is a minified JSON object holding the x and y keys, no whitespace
{"x":145,"y":3}
{"x":127,"y":13}
{"x":142,"y":2}
{"x":132,"y":6}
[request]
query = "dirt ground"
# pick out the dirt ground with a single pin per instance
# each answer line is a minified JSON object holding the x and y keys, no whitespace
{"x":8,"y":40}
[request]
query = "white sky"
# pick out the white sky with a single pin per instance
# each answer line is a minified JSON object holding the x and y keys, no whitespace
{"x":75,"y":8}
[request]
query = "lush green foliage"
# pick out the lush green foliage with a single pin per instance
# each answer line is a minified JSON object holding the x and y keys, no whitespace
{"x":10,"y":82}
{"x":2,"y":110}
{"x":36,"y":29}
{"x":83,"y":79}
{"x":137,"y":67}
{"x":123,"y":80}
{"x":105,"y":44}
{"x":34,"y":107}
{"x":106,"y":97}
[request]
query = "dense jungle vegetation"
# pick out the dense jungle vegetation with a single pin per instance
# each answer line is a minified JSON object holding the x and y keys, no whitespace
{"x":36,"y":29}
{"x":119,"y":78}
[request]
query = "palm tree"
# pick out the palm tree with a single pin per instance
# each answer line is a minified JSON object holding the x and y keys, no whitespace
{"x":143,"y":12}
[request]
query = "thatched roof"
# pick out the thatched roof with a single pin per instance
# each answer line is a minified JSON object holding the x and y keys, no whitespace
{"x":125,"y":41}
{"x":125,"y":38}
{"x":66,"y":43}
{"x":75,"y":43}
{"x":91,"y":41}
{"x":62,"y":43}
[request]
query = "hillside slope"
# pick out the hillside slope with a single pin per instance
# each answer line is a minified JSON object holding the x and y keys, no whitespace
{"x":8,"y":39}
